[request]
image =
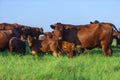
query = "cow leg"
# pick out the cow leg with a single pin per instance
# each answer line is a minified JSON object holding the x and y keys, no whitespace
{"x":56,"y":53}
{"x":82,"y":50}
{"x":59,"y":53}
{"x":11,"y":49}
{"x":34,"y":53}
{"x":79,"y":51}
{"x":69,"y":53}
{"x":104,"y":47}
{"x":106,"y":50}
{"x":116,"y":43}
{"x":109,"y":51}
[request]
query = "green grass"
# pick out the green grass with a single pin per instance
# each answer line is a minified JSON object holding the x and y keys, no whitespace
{"x":90,"y":66}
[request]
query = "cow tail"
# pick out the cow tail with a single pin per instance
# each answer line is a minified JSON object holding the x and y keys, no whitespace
{"x":114,"y":27}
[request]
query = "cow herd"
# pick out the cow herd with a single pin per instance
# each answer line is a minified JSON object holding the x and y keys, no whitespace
{"x":13,"y":36}
{"x":65,"y":37}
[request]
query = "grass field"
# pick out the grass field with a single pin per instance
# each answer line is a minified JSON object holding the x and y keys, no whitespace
{"x":90,"y":66}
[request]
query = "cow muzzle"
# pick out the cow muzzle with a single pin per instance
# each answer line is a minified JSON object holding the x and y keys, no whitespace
{"x":34,"y":52}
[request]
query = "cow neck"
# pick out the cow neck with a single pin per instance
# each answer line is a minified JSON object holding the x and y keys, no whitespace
{"x":70,"y":35}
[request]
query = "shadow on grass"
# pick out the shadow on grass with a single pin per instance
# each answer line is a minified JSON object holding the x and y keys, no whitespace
{"x":95,"y":51}
{"x":98,"y":51}
{"x":116,"y":51}
{"x":4,"y":53}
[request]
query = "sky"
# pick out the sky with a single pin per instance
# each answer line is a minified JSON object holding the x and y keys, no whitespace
{"x":43,"y":13}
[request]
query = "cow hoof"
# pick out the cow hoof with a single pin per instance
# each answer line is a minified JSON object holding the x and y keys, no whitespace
{"x":34,"y":52}
{"x":56,"y":54}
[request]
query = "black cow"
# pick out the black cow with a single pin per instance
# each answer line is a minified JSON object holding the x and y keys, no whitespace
{"x":17,"y":45}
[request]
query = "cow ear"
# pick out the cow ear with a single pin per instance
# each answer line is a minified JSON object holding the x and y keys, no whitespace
{"x":91,"y":22}
{"x":42,"y":29}
{"x":52,"y":26}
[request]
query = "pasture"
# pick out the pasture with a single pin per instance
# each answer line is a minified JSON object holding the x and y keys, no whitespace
{"x":90,"y":66}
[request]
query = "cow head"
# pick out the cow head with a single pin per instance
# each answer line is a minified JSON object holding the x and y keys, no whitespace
{"x":58,"y":30}
{"x":33,"y":45}
{"x":32,"y":31}
{"x":48,"y":35}
{"x":35,"y":32}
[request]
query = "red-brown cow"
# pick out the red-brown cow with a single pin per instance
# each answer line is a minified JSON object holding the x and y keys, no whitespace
{"x":86,"y":36}
{"x":5,"y":36}
{"x":16,"y":27}
{"x":22,"y":29}
{"x":46,"y":35}
{"x":45,"y":45}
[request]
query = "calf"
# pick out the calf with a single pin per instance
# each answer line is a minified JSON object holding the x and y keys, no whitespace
{"x":45,"y":45}
{"x":17,"y":45}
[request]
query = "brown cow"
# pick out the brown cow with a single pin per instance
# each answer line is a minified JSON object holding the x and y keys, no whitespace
{"x":33,"y":32}
{"x":46,"y":45}
{"x":46,"y":35}
{"x":16,"y":27}
{"x":6,"y":26}
{"x":17,"y":45}
{"x":22,"y":29}
{"x":86,"y":36}
{"x":5,"y":36}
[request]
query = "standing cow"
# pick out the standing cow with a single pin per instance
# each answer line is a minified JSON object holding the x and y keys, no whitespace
{"x":86,"y":36}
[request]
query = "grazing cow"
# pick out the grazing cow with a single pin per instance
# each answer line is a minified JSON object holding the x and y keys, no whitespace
{"x":116,"y":36}
{"x":45,"y":45}
{"x":22,"y":30}
{"x":17,"y":45}
{"x":46,"y":35}
{"x":86,"y":36}
{"x":33,"y":32}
